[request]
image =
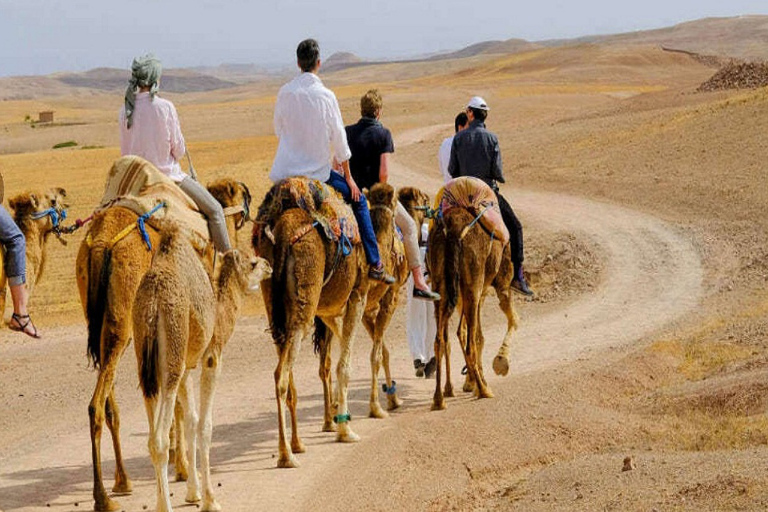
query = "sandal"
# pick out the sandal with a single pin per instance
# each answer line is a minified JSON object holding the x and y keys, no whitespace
{"x":22,"y":327}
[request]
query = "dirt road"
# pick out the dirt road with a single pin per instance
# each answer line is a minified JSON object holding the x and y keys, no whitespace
{"x":652,"y":277}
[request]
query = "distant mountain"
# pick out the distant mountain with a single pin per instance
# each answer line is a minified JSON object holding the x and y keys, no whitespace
{"x":341,"y":60}
{"x":490,"y":47}
{"x":173,"y":80}
{"x":741,"y":37}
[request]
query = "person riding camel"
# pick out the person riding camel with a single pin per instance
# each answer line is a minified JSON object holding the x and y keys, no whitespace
{"x":308,"y":124}
{"x":150,"y":128}
{"x":475,"y":152}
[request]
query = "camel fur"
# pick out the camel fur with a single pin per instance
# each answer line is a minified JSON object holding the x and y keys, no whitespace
{"x":180,"y":321}
{"x":462,"y":271}
{"x":108,"y":275}
{"x":36,"y":232}
{"x":296,"y":294}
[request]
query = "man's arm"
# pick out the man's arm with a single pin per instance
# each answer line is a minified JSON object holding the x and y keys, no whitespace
{"x":384,"y":167}
{"x":350,"y":181}
{"x":453,"y":162}
{"x":178,"y":147}
{"x":496,"y":168}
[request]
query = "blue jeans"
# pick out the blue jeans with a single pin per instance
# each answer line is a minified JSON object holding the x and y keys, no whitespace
{"x":363,"y":216}
{"x":15,"y":249}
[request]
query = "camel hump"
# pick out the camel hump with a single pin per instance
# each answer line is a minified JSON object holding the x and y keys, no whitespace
{"x":475,"y":196}
{"x":323,"y":204}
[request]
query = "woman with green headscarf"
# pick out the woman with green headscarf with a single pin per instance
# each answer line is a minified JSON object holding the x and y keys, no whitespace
{"x":149,"y":128}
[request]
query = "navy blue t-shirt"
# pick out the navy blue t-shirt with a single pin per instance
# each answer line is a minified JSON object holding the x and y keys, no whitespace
{"x":367,"y":140}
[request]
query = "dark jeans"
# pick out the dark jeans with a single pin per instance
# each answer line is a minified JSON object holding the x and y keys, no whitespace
{"x":515,"y":230}
{"x":15,"y":249}
{"x":363,"y":216}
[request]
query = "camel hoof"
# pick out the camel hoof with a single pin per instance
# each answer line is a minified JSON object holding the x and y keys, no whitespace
{"x":211,"y":506}
{"x":298,"y":447}
{"x":378,"y":412}
{"x":329,"y":426}
{"x":438,"y":406}
{"x":501,"y":365}
{"x":288,"y":462}
{"x":124,"y":487}
{"x":106,"y":505}
{"x":468,"y":387}
{"x":193,"y":496}
{"x":393,"y":402}
{"x":486,"y":393}
{"x":347,"y":437}
{"x":448,"y":392}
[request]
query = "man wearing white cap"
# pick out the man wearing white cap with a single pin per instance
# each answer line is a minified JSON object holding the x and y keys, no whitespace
{"x":475,"y":152}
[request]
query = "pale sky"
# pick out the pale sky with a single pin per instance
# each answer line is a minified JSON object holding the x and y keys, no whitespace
{"x":45,"y":36}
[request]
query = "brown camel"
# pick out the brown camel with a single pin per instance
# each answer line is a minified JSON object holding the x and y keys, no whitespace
{"x":180,"y":320}
{"x":464,"y":261}
{"x":309,"y":281}
{"x":38,"y":215}
{"x":109,"y":269}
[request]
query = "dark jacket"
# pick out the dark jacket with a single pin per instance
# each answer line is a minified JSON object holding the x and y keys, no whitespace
{"x":475,"y":152}
{"x":367,"y":140}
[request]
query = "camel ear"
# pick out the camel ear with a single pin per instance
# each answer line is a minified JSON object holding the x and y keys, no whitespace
{"x":61,"y":191}
{"x":231,"y":189}
{"x":34,"y":201}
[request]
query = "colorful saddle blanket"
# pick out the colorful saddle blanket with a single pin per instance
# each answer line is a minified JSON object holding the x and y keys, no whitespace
{"x":323,"y":204}
{"x":137,"y":185}
{"x":478,"y":198}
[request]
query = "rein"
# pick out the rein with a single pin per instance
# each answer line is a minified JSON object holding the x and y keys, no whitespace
{"x":139,"y":225}
{"x":57,"y":217}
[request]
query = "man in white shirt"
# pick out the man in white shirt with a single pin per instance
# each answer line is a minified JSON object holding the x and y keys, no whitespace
{"x":311,"y":135}
{"x":444,"y":153}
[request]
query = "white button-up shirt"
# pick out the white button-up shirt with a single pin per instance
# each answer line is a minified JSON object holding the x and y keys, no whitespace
{"x":309,"y":125}
{"x":155,"y":135}
{"x":444,"y":157}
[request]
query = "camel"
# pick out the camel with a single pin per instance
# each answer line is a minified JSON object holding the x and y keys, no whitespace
{"x":464,"y":261}
{"x":38,"y":214}
{"x":309,"y":280}
{"x":180,"y":321}
{"x":109,"y":268}
{"x":382,"y":299}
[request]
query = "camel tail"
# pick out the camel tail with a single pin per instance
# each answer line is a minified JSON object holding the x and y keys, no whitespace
{"x":146,"y":330}
{"x":279,"y":287}
{"x":99,"y":270}
{"x":452,"y":269}
{"x":318,"y":338}
{"x":149,"y":364}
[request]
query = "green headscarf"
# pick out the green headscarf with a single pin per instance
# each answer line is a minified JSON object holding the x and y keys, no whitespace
{"x":145,"y":72}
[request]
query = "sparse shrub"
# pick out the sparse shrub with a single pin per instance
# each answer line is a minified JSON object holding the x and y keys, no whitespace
{"x":67,"y":144}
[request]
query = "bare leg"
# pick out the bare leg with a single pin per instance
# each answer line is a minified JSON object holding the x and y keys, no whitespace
{"x":210,"y":373}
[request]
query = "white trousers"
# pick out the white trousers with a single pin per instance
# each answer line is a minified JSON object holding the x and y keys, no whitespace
{"x":420,"y":327}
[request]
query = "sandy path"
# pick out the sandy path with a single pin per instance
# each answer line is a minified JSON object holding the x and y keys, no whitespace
{"x":653,"y":276}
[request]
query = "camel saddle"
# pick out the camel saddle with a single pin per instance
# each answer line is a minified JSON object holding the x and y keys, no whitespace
{"x":324,"y":205}
{"x":475,"y":196}
{"x":136,"y":184}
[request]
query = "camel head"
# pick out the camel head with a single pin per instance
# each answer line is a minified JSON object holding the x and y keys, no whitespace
{"x":235,"y":198}
{"x":243,"y":272}
{"x":48,"y":207}
{"x":415,"y":202}
{"x":382,"y":194}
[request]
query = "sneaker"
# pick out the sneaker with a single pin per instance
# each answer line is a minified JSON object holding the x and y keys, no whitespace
{"x":429,"y":368}
{"x":521,"y":286}
{"x":418,"y":364}
{"x":378,"y":273}
{"x":425,"y":294}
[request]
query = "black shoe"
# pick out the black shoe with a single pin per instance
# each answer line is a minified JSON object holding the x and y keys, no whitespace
{"x":419,"y":365}
{"x":521,"y":287}
{"x":379,"y":274}
{"x":425,"y":294}
{"x":429,"y":368}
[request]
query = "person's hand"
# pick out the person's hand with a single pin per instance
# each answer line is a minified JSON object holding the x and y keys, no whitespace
{"x":353,"y":189}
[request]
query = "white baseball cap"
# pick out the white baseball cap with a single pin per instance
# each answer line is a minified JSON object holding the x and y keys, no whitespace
{"x":477,"y":102}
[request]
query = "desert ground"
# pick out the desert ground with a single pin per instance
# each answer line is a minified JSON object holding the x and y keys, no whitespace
{"x":644,"y":206}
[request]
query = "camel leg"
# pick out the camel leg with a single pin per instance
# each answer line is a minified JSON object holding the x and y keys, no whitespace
{"x":393,"y":401}
{"x":461,"y":333}
{"x":97,"y":413}
{"x":186,"y":395}
{"x":389,"y":304}
{"x":438,"y":401}
{"x":178,"y":450}
{"x":351,"y":318}
{"x":282,"y":377}
{"x":292,"y":400}
{"x":326,"y":379}
{"x":501,"y":361}
{"x":122,"y":482}
{"x":376,"y":410}
{"x":160,"y":413}
{"x":210,"y":373}
{"x":473,"y":318}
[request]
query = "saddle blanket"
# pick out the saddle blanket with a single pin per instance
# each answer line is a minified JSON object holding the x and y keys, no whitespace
{"x":136,"y":184}
{"x":475,"y":196}
{"x":323,"y":204}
